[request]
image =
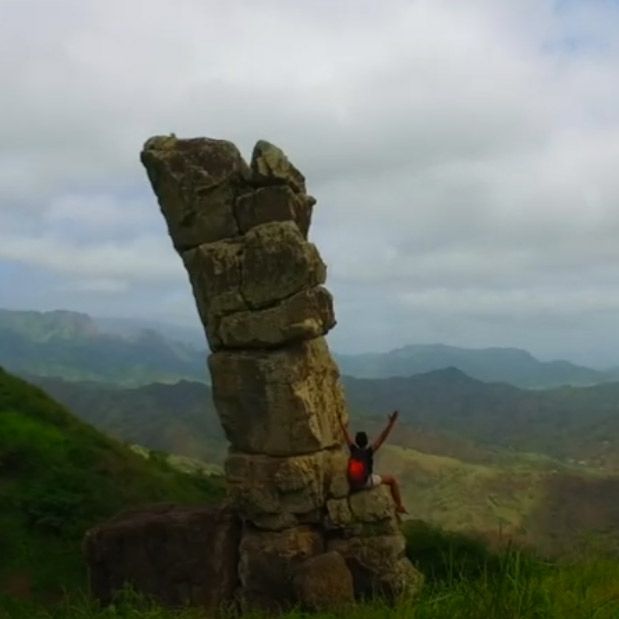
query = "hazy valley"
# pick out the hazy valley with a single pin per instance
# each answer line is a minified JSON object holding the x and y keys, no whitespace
{"x":489,"y":458}
{"x":472,"y":455}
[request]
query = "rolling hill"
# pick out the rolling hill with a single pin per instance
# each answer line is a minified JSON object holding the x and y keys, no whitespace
{"x":178,"y":418}
{"x":444,"y":412}
{"x":464,"y":450}
{"x":60,"y":476}
{"x":448,"y":479}
{"x":508,"y":365}
{"x":538,"y":502}
{"x":571,"y":423}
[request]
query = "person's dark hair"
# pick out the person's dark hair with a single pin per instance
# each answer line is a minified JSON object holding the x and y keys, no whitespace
{"x":361,"y":438}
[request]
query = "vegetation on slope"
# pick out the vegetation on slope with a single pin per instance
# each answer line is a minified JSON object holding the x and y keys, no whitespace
{"x":446,"y":479}
{"x":58,"y":477}
{"x":179,"y":418}
{"x":536,"y":501}
{"x":465,"y":579}
{"x":443,"y":412}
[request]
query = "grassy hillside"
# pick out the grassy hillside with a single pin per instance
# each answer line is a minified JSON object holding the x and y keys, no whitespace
{"x":69,"y":345}
{"x":533,"y":500}
{"x":177,"y":418}
{"x":451,"y":477}
{"x":465,"y":579}
{"x":59,"y":476}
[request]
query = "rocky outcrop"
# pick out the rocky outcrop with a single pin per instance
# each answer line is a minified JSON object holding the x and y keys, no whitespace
{"x":268,"y":560}
{"x":305,"y":315}
{"x":275,"y":203}
{"x":276,"y":493}
{"x":179,"y":556}
{"x":282,"y":402}
{"x":197,"y":182}
{"x":365,"y":531}
{"x":242,"y":233}
{"x":323,"y":582}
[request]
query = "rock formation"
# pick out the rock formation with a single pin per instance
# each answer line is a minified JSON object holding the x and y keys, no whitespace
{"x":241,"y":232}
{"x":175,"y":554}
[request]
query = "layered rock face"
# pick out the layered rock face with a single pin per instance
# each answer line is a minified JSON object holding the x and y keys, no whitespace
{"x":241,"y":231}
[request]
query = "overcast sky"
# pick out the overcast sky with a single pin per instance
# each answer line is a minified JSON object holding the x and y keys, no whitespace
{"x":465,"y":157}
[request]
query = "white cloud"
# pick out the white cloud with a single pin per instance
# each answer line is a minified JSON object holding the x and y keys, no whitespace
{"x":104,"y":285}
{"x":100,"y":217}
{"x":141,"y":260}
{"x":467,"y":148}
{"x":518,"y":302}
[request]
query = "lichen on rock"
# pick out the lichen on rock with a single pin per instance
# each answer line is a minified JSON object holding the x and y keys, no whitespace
{"x":305,"y":315}
{"x":280,"y":402}
{"x":273,"y":203}
{"x":270,"y":166}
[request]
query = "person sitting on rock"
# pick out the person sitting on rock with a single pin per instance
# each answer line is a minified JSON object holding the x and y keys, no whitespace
{"x":361,"y":462}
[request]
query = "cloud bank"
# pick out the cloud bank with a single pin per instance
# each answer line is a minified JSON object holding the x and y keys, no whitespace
{"x":463,"y":156}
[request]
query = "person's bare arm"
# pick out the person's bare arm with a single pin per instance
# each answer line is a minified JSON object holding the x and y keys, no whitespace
{"x":345,"y":431}
{"x":382,"y":437}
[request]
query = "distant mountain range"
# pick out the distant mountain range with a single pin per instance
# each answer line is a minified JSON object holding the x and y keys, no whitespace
{"x":507,"y":365}
{"x":75,"y":346}
{"x":72,"y":346}
{"x":130,"y":327}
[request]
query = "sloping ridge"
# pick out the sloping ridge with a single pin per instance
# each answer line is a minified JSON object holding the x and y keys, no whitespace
{"x":500,"y":414}
{"x":60,"y":476}
{"x":495,"y":364}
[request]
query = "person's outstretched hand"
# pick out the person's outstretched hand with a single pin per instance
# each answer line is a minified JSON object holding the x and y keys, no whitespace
{"x":393,"y":416}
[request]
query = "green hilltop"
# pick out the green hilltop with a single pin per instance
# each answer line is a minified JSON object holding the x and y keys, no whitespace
{"x":60,"y":476}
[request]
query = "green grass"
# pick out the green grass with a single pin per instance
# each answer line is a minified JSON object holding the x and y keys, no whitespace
{"x":465,"y":580}
{"x":525,"y":497}
{"x":58,"y":477}
{"x":520,"y":588}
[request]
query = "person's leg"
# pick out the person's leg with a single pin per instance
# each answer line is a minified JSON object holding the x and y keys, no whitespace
{"x":391,"y":481}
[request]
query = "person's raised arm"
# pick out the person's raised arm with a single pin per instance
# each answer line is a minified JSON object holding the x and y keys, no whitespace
{"x":345,"y":431}
{"x":382,"y":437}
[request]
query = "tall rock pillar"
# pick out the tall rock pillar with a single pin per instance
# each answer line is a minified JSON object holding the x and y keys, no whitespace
{"x":241,"y":232}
